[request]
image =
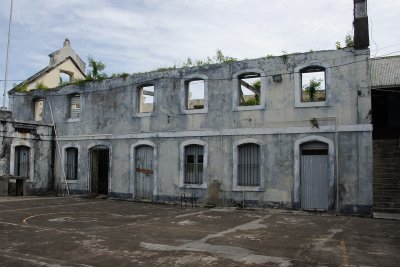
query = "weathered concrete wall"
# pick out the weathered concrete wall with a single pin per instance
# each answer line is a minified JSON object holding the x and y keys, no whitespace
{"x":109,"y":116}
{"x":39,"y":140}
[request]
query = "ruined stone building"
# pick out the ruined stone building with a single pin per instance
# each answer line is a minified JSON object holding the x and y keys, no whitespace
{"x":254,"y":131}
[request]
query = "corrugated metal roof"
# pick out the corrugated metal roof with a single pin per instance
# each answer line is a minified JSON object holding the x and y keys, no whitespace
{"x":385,"y":71}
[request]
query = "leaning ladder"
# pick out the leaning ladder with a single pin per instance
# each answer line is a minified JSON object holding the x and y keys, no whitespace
{"x":59,"y":151}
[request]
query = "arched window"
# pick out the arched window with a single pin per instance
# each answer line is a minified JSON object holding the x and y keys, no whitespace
{"x":194,"y":94}
{"x":145,"y":96}
{"x":249,"y":89}
{"x":65,"y":77}
{"x":313,"y":84}
{"x":194,"y":161}
{"x":71,"y":162}
{"x":248,"y":165}
{"x":193,"y":164}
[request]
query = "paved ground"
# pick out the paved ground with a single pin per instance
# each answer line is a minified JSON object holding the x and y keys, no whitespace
{"x":75,"y":231}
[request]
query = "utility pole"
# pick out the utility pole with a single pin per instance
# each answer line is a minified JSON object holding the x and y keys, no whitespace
{"x":8,"y":49}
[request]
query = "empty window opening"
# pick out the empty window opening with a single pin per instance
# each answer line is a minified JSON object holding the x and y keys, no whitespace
{"x":38,"y":109}
{"x":249,"y":89}
{"x":146,"y":99}
{"x":72,"y":163}
{"x":194,"y":160}
{"x":249,"y":165}
{"x":195,"y":94}
{"x":313,"y":84}
{"x":75,"y":106}
{"x":65,"y":78}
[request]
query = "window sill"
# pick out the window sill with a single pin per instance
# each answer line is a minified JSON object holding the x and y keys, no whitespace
{"x":312,"y":104}
{"x":72,"y":181}
{"x":244,"y":108}
{"x":144,"y":114}
{"x":74,"y":120}
{"x":193,"y":111}
{"x":194,"y":186}
{"x":248,"y":188}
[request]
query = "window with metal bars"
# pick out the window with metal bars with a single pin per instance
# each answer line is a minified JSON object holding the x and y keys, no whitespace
{"x":248,"y":165}
{"x":194,"y":160}
{"x":72,"y":163}
{"x":75,"y":106}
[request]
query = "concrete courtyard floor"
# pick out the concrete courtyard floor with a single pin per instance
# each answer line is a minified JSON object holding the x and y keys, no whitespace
{"x":75,"y":231}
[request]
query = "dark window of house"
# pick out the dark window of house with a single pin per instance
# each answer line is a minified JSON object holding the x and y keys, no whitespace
{"x":313,"y":84}
{"x":194,"y":164}
{"x":249,"y":165}
{"x":72,"y":163}
{"x":21,"y":161}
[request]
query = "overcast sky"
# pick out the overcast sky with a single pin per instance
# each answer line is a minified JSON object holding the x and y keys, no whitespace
{"x":141,"y":35}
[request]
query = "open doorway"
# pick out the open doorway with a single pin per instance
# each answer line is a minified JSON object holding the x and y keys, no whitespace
{"x":99,"y":157}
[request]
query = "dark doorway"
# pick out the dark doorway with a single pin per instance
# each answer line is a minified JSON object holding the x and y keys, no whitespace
{"x":99,"y":168}
{"x":21,"y":161}
{"x":386,"y":149}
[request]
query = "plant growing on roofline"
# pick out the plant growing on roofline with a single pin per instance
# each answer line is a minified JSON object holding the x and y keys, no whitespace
{"x":348,"y":40}
{"x":21,"y":88}
{"x":41,"y":86}
{"x":95,"y":70}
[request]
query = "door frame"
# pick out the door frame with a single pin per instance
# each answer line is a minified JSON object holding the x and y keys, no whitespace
{"x":89,"y":148}
{"x":132,"y":172}
{"x":296,"y":196}
{"x":31,"y":157}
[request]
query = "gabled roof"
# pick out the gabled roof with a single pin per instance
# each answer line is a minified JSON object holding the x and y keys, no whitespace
{"x":385,"y":71}
{"x":56,"y":59}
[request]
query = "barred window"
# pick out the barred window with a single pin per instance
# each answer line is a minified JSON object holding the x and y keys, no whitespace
{"x":194,"y":160}
{"x":248,"y":165}
{"x":75,"y":106}
{"x":72,"y":163}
